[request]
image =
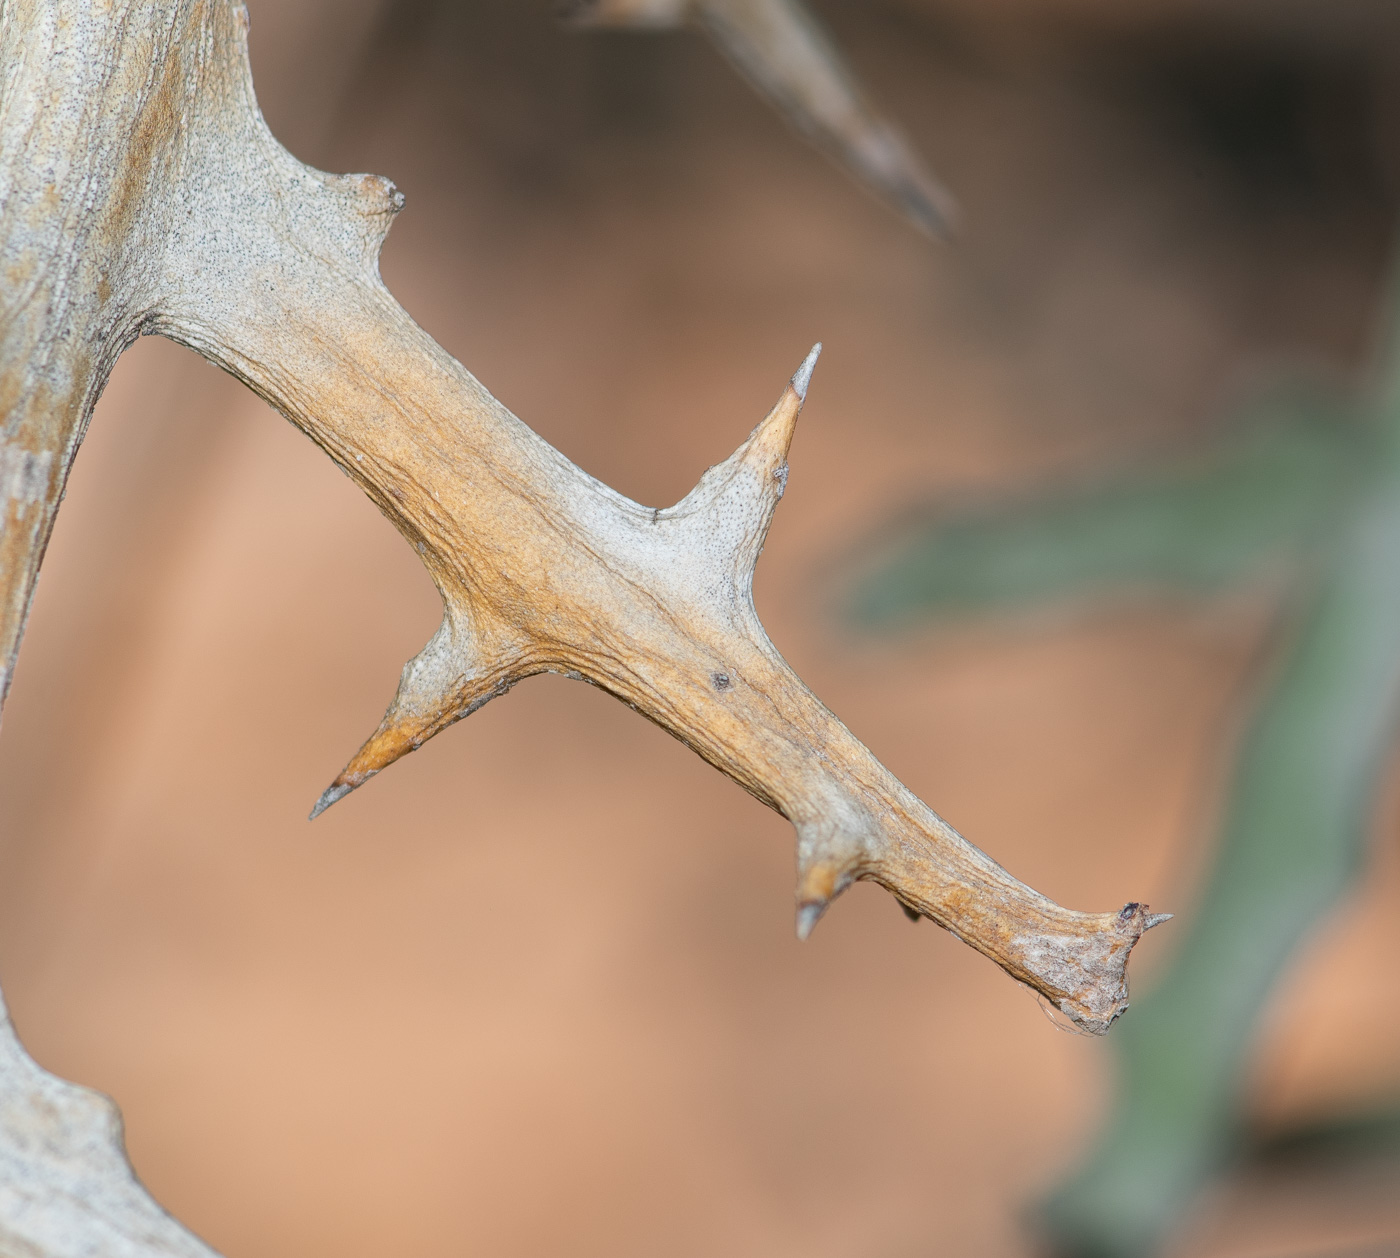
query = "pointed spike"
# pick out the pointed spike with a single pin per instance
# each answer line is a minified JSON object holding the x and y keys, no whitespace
{"x":808,"y":915}
{"x":802,"y":377}
{"x":441,"y":684}
{"x":1156,"y":919}
{"x":333,"y":794}
{"x":817,"y":882}
{"x":881,"y":156}
{"x":733,"y":502}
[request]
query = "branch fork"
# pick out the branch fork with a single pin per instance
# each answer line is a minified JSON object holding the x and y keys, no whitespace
{"x":143,"y":193}
{"x":163,"y":204}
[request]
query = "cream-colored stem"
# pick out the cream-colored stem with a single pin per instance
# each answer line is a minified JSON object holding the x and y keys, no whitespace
{"x":140,"y":191}
{"x":190,"y":220}
{"x":543,"y":568}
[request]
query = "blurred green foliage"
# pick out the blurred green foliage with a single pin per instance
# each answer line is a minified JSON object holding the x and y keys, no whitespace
{"x":1264,"y":499}
{"x":1308,"y":487}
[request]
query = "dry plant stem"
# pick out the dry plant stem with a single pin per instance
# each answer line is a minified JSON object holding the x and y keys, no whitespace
{"x":140,"y":191}
{"x":143,"y":193}
{"x":66,"y":1188}
{"x":783,"y":51}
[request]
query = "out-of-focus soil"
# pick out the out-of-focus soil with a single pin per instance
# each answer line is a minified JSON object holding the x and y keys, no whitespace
{"x":535,"y":990}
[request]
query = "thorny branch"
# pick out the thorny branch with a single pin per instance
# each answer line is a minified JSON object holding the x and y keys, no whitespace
{"x":143,"y":193}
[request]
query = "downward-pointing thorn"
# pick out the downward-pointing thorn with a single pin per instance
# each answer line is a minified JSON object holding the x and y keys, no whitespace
{"x":336,"y":791}
{"x":802,"y":377}
{"x":808,"y":915}
{"x":912,"y":914}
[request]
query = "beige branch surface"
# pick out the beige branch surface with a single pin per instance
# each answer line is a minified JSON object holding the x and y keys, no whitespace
{"x":66,"y":1188}
{"x":140,"y":191}
{"x":782,"y":50}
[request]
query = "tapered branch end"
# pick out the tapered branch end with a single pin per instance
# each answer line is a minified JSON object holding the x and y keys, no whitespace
{"x":819,"y":881}
{"x":1085,"y":974}
{"x":808,"y":915}
{"x":767,"y":448}
{"x":727,"y":514}
{"x":333,"y":794}
{"x":802,"y":377}
{"x":387,"y":744}
{"x":907,"y":184}
{"x":447,"y":680}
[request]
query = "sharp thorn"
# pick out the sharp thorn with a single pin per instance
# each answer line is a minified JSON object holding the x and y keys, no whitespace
{"x":332,"y":794}
{"x":1156,"y":919}
{"x":808,"y":915}
{"x":802,"y":377}
{"x":912,"y":914}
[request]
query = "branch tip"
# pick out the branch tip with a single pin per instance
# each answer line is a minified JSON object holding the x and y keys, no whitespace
{"x":1155,"y":919}
{"x":808,"y":915}
{"x":333,"y":794}
{"x":802,"y":377}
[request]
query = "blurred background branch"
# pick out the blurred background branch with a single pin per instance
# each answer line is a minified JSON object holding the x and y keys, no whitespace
{"x":781,"y":49}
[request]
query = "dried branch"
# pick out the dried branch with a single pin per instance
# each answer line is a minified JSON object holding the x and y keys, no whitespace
{"x":782,"y":50}
{"x":66,"y":1188}
{"x":143,"y":193}
{"x":177,"y":212}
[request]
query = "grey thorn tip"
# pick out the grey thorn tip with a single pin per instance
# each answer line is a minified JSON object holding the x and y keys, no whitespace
{"x":808,"y":915}
{"x":802,"y":377}
{"x":1156,"y":919}
{"x":328,"y":797}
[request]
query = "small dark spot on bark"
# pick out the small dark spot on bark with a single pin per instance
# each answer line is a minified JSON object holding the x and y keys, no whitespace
{"x":1128,"y":910}
{"x":721,"y":681}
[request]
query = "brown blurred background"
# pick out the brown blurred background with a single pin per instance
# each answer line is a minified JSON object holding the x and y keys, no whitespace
{"x":535,"y":990}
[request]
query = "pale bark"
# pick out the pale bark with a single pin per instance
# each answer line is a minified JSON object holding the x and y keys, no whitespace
{"x":66,"y":1188}
{"x":141,"y":192}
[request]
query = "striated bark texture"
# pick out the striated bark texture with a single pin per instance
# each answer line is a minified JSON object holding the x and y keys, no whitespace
{"x":141,"y":192}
